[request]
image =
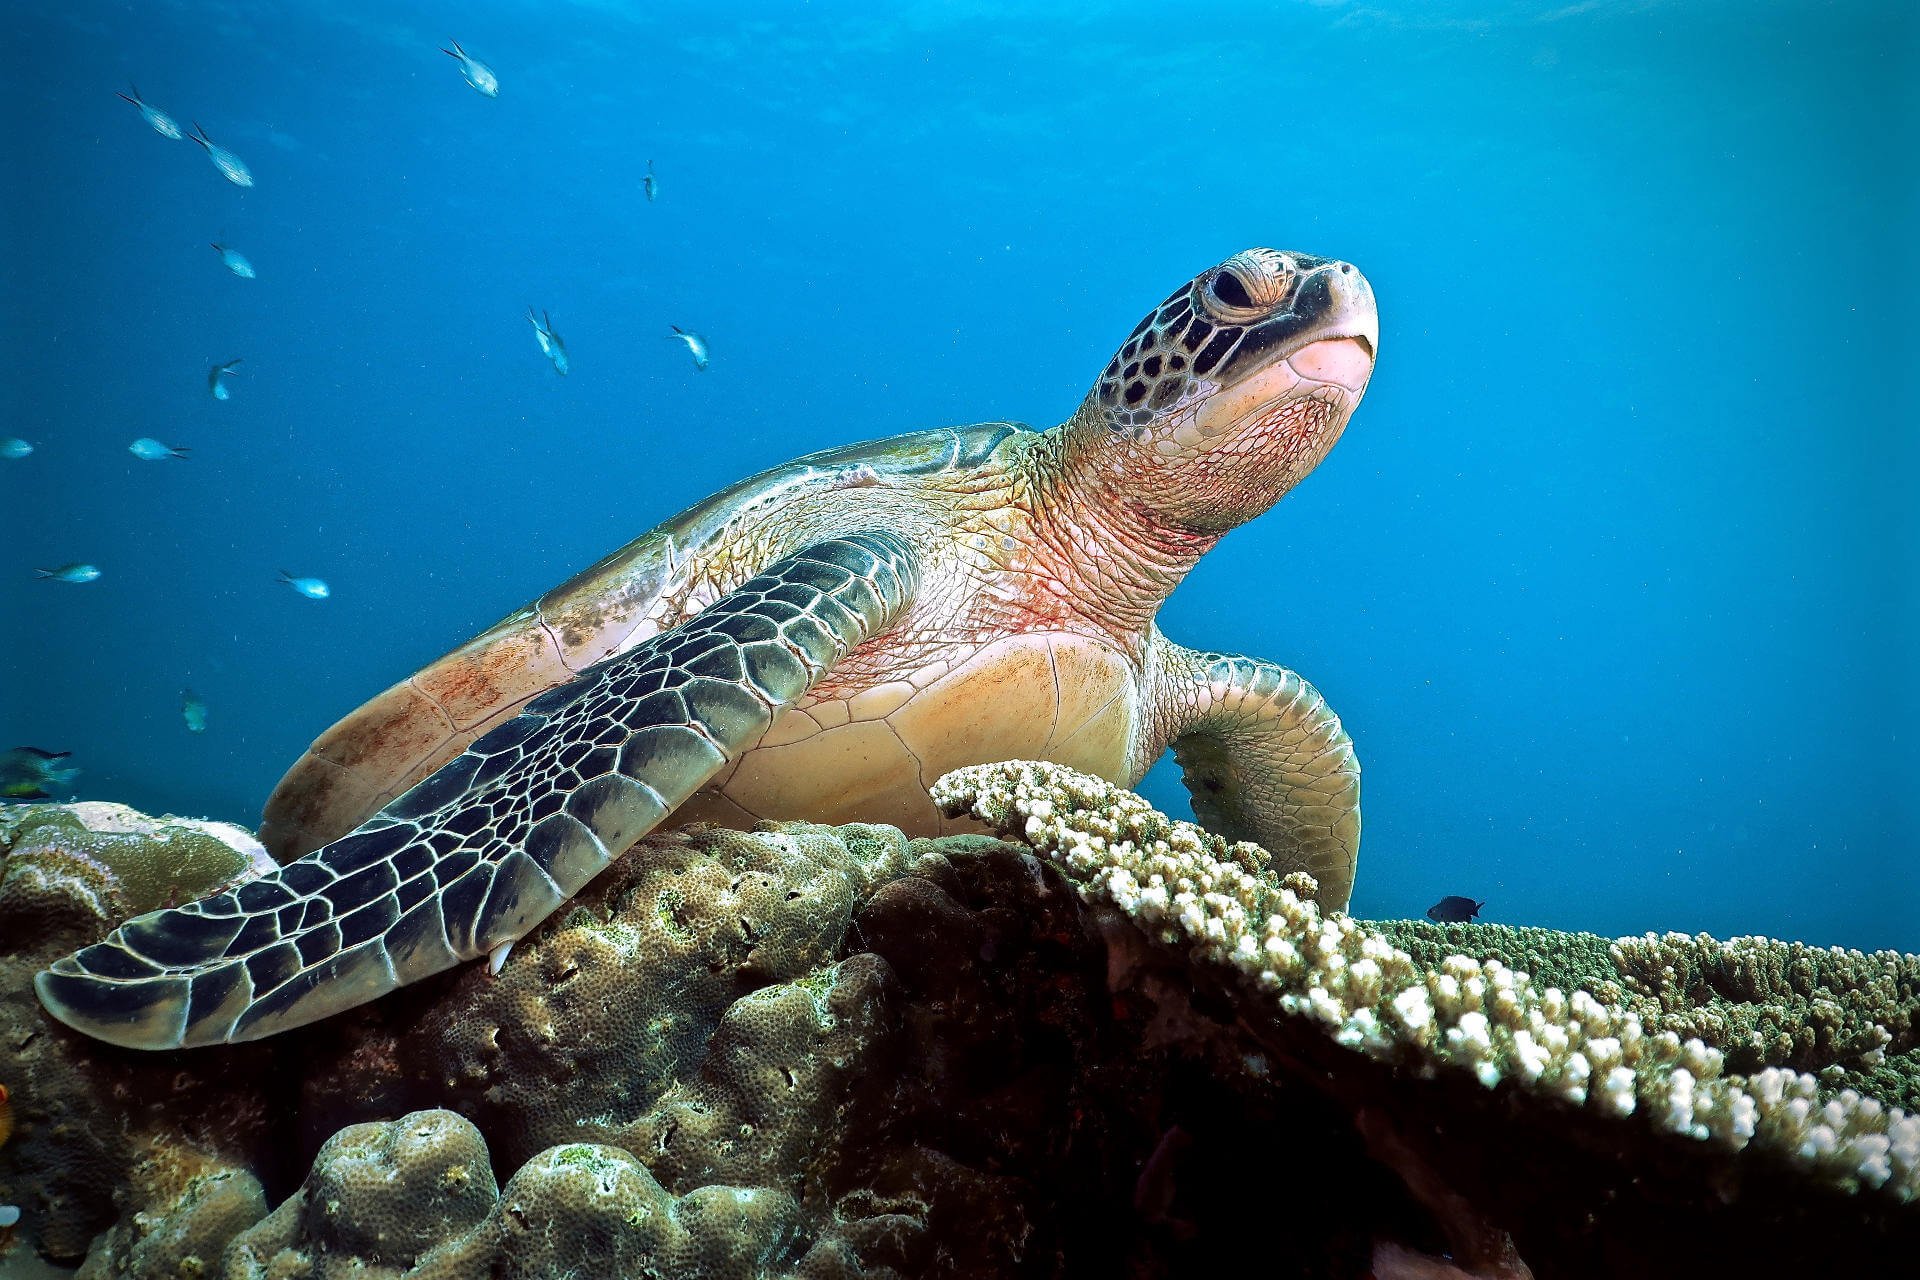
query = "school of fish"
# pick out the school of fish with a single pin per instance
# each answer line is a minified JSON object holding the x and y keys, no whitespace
{"x":31,"y":773}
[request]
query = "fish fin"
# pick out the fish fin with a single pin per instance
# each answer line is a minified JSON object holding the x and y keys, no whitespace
{"x":44,"y":754}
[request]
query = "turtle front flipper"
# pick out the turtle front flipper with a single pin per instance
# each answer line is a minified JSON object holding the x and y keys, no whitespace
{"x":487,"y":846}
{"x":1266,"y":760}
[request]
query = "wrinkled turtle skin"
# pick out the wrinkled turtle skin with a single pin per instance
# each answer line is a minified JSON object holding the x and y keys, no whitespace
{"x":821,"y":641}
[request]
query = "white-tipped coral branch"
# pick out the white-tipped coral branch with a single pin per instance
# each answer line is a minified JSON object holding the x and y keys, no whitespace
{"x":1188,"y":888}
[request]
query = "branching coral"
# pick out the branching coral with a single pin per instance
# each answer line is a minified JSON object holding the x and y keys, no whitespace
{"x":1483,"y":1017}
{"x":1849,"y":1018}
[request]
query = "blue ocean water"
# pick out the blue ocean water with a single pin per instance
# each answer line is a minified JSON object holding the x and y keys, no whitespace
{"x":1615,"y":577}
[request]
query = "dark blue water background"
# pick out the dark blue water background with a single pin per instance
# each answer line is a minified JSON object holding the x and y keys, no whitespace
{"x":1613,"y":577}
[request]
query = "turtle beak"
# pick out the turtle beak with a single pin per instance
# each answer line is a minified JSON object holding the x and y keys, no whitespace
{"x":1349,"y":310}
{"x":1341,"y":345}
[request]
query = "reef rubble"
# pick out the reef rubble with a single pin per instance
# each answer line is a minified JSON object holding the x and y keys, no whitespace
{"x":1104,"y":1043}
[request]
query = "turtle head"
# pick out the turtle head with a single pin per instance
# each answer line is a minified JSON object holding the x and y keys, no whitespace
{"x":1235,"y":387}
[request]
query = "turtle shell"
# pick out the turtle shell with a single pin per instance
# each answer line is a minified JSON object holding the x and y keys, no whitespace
{"x":657,"y":581}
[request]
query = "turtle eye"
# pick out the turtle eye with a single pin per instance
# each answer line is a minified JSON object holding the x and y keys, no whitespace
{"x":1230,"y":293}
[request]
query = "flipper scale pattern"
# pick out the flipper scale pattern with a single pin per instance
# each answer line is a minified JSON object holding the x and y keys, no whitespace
{"x":482,"y":850}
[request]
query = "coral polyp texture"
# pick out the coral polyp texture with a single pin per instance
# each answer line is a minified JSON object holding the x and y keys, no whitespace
{"x":1482,"y":1016}
{"x":104,"y":1136}
{"x":812,"y":1052}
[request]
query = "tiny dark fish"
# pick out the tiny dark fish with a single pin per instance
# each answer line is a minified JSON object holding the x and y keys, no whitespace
{"x":1454,"y":910}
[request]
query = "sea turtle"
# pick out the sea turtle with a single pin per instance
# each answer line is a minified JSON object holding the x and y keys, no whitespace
{"x":821,"y":641}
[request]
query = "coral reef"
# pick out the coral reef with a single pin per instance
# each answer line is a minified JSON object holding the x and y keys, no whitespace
{"x":1114,"y":1046}
{"x":73,"y":865}
{"x":1483,"y":1018}
{"x":405,"y":1197}
{"x":1850,"y":1017}
{"x":804,"y":1050}
{"x":615,"y":999}
{"x":104,"y":1135}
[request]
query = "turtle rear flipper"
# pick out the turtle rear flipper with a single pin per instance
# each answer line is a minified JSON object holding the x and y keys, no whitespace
{"x":490,"y":844}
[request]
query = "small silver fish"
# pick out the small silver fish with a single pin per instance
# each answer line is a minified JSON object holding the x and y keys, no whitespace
{"x":650,"y":184}
{"x":311,"y":588}
{"x":550,"y":344}
{"x":696,"y":345}
{"x":162,"y":122}
{"x":147,"y":449}
{"x":225,"y":161}
{"x":69,"y":573}
{"x":193,"y":710}
{"x":478,"y":73}
{"x":13,"y":448}
{"x":234,"y":261}
{"x":216,"y":379}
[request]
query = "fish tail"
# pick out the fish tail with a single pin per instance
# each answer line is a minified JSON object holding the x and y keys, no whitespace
{"x":43,"y":573}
